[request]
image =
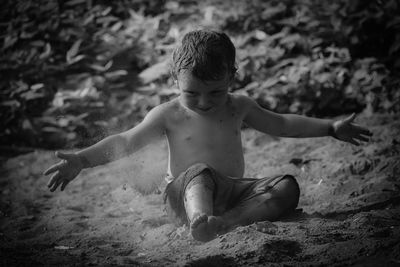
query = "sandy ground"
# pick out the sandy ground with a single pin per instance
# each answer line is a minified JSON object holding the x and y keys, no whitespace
{"x":349,"y":211}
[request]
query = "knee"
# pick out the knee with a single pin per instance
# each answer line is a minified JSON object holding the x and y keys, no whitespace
{"x":203,"y":178}
{"x":289,"y":188}
{"x":291,"y":184}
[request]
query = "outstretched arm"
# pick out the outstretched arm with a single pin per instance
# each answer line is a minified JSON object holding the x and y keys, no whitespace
{"x":123,"y":144}
{"x":107,"y":150}
{"x":292,"y":125}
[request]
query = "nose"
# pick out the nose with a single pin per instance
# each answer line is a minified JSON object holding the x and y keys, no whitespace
{"x":203,"y":101}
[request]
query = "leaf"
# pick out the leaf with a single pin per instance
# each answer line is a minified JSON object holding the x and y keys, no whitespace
{"x":106,"y":11}
{"x":272,"y":11}
{"x":395,"y":47}
{"x":73,"y":51}
{"x":101,"y":68}
{"x":106,"y":20}
{"x":260,"y":35}
{"x":270,"y":82}
{"x":32,"y":53}
{"x":63,"y":122}
{"x":75,"y":2}
{"x":166,"y":91}
{"x":27,"y":35}
{"x":154,"y":72}
{"x":58,"y":100}
{"x":51,"y":129}
{"x":38,"y":43}
{"x":21,"y":87}
{"x":323,"y":77}
{"x":27,"y":125}
{"x":116,"y":26}
{"x":31,"y":95}
{"x":88,"y":19}
{"x":360,"y":74}
{"x":290,"y":39}
{"x":9,"y":41}
{"x":10,"y":104}
{"x":47,"y":51}
{"x":37,"y":86}
{"x":115,"y":74}
{"x":75,"y":59}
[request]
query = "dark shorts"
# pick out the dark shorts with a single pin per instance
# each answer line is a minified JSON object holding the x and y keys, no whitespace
{"x":227,"y":192}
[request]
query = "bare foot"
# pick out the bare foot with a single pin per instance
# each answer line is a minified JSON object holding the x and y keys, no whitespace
{"x":205,"y":228}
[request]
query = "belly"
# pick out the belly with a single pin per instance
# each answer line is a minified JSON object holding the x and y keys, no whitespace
{"x":225,"y":157}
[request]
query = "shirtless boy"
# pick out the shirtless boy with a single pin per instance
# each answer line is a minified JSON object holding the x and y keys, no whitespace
{"x":206,"y":187}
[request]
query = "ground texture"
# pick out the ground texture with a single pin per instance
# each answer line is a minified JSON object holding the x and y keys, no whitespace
{"x":349,"y":210}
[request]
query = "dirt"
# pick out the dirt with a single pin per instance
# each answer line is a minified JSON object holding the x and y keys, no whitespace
{"x":113,"y":215}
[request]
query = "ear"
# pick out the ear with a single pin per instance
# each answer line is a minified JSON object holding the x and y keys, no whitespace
{"x":232,"y":75}
{"x":172,"y":72}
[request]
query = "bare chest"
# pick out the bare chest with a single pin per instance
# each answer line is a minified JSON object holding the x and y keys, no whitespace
{"x":208,"y":133}
{"x":214,"y":140}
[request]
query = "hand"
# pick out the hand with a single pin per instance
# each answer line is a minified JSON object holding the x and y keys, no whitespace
{"x":346,"y":130}
{"x":64,"y":171}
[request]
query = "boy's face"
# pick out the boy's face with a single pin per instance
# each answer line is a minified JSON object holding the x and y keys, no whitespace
{"x":203,"y":97}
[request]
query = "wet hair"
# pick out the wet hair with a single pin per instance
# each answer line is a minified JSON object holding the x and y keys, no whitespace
{"x":208,"y":54}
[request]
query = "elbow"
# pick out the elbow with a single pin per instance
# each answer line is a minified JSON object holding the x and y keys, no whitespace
{"x":290,"y":128}
{"x":284,"y":127}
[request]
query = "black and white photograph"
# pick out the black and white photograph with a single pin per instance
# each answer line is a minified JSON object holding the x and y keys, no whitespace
{"x":207,"y":133}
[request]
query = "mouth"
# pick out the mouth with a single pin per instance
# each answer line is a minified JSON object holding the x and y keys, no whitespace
{"x":204,"y":110}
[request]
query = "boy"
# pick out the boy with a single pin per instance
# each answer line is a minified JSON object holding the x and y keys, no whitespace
{"x":206,"y":187}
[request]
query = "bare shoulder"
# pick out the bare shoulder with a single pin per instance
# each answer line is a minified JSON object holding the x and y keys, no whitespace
{"x":159,"y":114}
{"x":167,"y":112}
{"x":164,"y":109}
{"x":242,"y":103}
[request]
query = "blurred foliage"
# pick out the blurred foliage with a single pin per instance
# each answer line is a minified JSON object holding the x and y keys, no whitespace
{"x":75,"y":71}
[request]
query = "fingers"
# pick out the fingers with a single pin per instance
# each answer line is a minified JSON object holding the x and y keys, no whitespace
{"x":53,"y":168}
{"x":362,"y":130}
{"x":366,"y":132}
{"x":350,"y":118}
{"x":50,"y":170}
{"x":60,"y":176}
{"x":64,"y":184}
{"x":57,"y":166}
{"x":354,"y":142}
{"x":362,"y":138}
{"x":362,"y":134}
{"x":53,"y":180}
{"x":66,"y":156}
{"x":55,"y":185}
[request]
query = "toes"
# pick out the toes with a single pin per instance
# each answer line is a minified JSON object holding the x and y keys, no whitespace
{"x":216,"y":224}
{"x":205,"y":228}
{"x":203,"y":233}
{"x":212,"y":221}
{"x":198,"y":219}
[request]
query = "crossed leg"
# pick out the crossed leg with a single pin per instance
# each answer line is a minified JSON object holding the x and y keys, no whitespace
{"x":282,"y":198}
{"x":272,"y":204}
{"x":198,"y":201}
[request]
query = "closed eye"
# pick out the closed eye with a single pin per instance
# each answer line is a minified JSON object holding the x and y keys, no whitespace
{"x":190,"y":93}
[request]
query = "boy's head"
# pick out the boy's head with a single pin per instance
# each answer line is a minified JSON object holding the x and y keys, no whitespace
{"x":208,"y":55}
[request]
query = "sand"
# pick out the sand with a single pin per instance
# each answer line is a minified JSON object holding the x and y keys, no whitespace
{"x":113,"y":215}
